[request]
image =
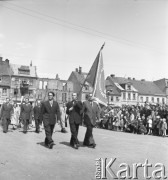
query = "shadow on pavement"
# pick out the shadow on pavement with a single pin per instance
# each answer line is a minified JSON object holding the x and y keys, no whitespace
{"x":68,"y":144}
{"x":42,"y":144}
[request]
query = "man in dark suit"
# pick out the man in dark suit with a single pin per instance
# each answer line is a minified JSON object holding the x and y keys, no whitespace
{"x":91,"y":113}
{"x":37,"y":116}
{"x":74,"y":108}
{"x":6,"y":112}
{"x":26,"y":114}
{"x":50,"y":110}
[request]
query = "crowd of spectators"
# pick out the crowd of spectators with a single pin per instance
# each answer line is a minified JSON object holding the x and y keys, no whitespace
{"x":140,"y":119}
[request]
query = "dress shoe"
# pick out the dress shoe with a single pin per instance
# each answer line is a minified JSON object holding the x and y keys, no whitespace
{"x":75,"y":146}
{"x":92,"y":146}
{"x":50,"y":146}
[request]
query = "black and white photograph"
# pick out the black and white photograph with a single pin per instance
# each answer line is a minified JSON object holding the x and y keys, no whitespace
{"x":83,"y":89}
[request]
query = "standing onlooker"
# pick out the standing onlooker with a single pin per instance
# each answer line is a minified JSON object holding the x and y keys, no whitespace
{"x":6,"y":112}
{"x":164,"y":127}
{"x":149,"y":119}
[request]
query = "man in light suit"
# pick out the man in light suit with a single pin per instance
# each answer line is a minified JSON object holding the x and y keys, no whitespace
{"x":50,"y":110}
{"x":6,"y":112}
{"x":74,"y":108}
{"x":26,"y":114}
{"x":91,"y":113}
{"x":37,"y":116}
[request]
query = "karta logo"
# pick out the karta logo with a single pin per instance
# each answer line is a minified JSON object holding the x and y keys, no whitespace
{"x":104,"y":167}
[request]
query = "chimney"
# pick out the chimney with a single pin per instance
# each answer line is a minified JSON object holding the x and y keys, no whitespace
{"x":133,"y":78}
{"x":7,"y":61}
{"x":76,"y":69}
{"x":80,"y":70}
{"x":1,"y":59}
{"x":112,"y":75}
{"x":129,"y":78}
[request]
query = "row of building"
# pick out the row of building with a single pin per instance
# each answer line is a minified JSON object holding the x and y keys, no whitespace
{"x":16,"y":80}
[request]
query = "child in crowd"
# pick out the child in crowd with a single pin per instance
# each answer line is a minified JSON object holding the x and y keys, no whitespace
{"x":150,"y":124}
{"x":164,"y":127}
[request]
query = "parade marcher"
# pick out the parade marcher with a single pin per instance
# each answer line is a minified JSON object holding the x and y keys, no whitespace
{"x":91,"y":114}
{"x":37,"y":116}
{"x":6,"y":112}
{"x":26,"y":114}
{"x":50,"y":110}
{"x":64,"y":117}
{"x":74,"y":108}
{"x":15,"y":116}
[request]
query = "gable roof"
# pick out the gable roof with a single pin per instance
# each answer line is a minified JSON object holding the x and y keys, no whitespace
{"x":5,"y":70}
{"x":15,"y":72}
{"x":111,"y":85}
{"x":80,"y":76}
{"x":143,"y":87}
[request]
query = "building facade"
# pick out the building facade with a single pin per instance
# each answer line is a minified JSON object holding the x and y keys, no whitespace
{"x":23,"y":82}
{"x":5,"y":80}
{"x":78,"y":77}
{"x":62,"y":89}
{"x":134,"y":91}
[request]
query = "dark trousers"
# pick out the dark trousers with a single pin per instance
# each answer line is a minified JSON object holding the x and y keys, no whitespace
{"x":49,"y":132}
{"x":89,"y":140}
{"x":37,"y":124}
{"x":6,"y":123}
{"x":25,"y":125}
{"x":74,"y":133}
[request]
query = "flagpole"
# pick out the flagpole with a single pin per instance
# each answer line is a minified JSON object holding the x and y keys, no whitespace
{"x":88,"y":72}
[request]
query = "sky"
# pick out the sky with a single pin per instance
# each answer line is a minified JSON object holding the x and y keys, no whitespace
{"x":61,"y":35}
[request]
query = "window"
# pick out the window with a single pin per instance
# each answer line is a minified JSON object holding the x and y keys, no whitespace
{"x":4,"y":92}
{"x":117,"y":99}
{"x":157,"y":100}
{"x":86,"y":88}
{"x":141,"y":99}
{"x":112,"y":99}
{"x":163,"y":100}
{"x":31,"y":82}
{"x":45,"y":85}
{"x":124,"y":96}
{"x":40,"y":85}
{"x":134,"y":97}
{"x":129,"y":87}
{"x":147,"y":99}
{"x":129,"y":96}
{"x":0,"y":78}
{"x":152,"y":99}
